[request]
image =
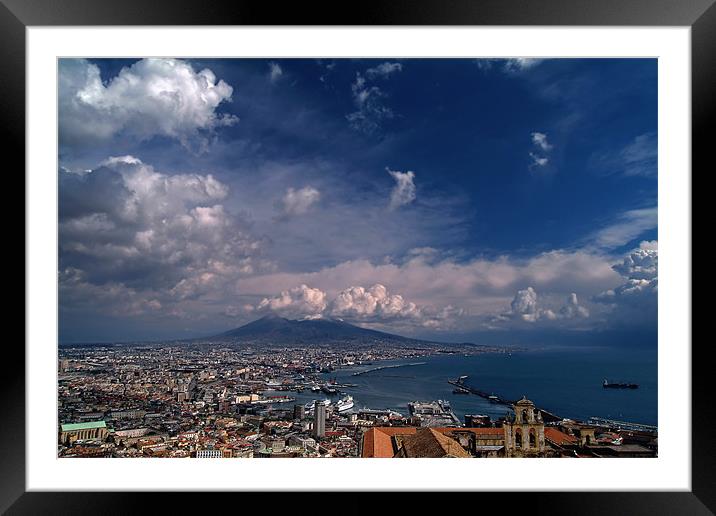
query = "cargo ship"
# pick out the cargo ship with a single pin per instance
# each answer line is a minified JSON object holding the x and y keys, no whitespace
{"x":619,"y":385}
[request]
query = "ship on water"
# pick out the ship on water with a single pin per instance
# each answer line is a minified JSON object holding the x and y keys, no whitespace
{"x":619,"y":385}
{"x":344,"y":404}
{"x":310,"y":405}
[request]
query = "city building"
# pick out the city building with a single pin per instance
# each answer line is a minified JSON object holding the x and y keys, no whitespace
{"x":299,"y":411}
{"x":428,"y":443}
{"x":524,"y":433}
{"x":70,"y":432}
{"x":319,"y":419}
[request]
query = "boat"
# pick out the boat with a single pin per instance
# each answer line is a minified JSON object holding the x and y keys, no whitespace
{"x":460,"y":390}
{"x":493,"y":398}
{"x":316,"y":388}
{"x":273,"y":383}
{"x":619,"y":385}
{"x":329,"y":390}
{"x":311,"y":404}
{"x":344,"y":404}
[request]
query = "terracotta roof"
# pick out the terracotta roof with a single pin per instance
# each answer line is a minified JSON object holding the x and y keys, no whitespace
{"x":558,"y":437}
{"x":497,"y":433}
{"x":377,"y":444}
{"x":427,"y":442}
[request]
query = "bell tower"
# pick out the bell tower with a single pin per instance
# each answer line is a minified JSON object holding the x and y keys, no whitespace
{"x":524,"y":433}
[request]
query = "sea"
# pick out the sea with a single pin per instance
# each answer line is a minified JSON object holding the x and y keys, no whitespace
{"x":564,"y":381}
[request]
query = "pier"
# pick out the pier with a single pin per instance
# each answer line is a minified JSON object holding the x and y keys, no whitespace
{"x":388,"y":367}
{"x":547,"y":416}
{"x":621,"y":425}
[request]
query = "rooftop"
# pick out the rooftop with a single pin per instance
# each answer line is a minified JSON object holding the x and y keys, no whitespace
{"x":69,"y":427}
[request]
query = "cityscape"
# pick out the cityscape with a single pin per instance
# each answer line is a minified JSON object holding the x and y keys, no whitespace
{"x":206,"y":401}
{"x":357,"y":258}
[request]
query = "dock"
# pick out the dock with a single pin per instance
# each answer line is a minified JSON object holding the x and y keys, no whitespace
{"x":547,"y":416}
{"x":381,"y":368}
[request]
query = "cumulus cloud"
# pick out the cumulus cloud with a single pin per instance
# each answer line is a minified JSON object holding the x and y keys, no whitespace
{"x":275,"y":71}
{"x":640,"y":264}
{"x":152,"y":97}
{"x":369,"y":100}
{"x":372,"y":303}
{"x":298,"y":302}
{"x":572,"y":309}
{"x":478,"y":289}
{"x":525,"y":307}
{"x":543,"y":147}
{"x":635,"y":301}
{"x":128,"y":226}
{"x":404,"y":190}
{"x":298,"y":202}
{"x":357,"y":304}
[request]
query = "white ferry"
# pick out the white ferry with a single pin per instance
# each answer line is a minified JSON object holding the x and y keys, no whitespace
{"x":344,"y":404}
{"x":309,"y":406}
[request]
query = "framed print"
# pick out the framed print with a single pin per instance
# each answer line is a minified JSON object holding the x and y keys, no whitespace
{"x":412,"y":233}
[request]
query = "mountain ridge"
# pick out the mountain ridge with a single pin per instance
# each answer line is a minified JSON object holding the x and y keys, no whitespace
{"x":274,"y":329}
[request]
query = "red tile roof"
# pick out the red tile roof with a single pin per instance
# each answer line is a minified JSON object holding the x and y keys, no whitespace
{"x":558,"y":437}
{"x":378,"y":442}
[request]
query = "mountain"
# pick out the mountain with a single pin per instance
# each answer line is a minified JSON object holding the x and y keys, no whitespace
{"x":276,"y":330}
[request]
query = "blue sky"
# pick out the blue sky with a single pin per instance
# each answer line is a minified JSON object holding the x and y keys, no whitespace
{"x":440,"y":198}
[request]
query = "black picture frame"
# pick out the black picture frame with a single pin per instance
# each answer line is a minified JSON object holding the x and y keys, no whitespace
{"x":700,"y":15}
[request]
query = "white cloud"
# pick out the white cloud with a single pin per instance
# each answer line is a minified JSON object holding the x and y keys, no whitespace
{"x":370,"y":99}
{"x":152,"y":97}
{"x":572,"y":309}
{"x":404,"y":190}
{"x":478,"y":289}
{"x":543,"y":147}
{"x":641,"y":264}
{"x":512,"y":65}
{"x":275,"y":71}
{"x":383,"y":69}
{"x":357,"y":304}
{"x":539,"y":161}
{"x":525,"y":307}
{"x":638,"y":158}
{"x":298,"y":302}
{"x":169,"y":236}
{"x":519,"y":64}
{"x":298,"y":202}
{"x":540,"y":140}
{"x":635,"y":300}
{"x":629,"y":226}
